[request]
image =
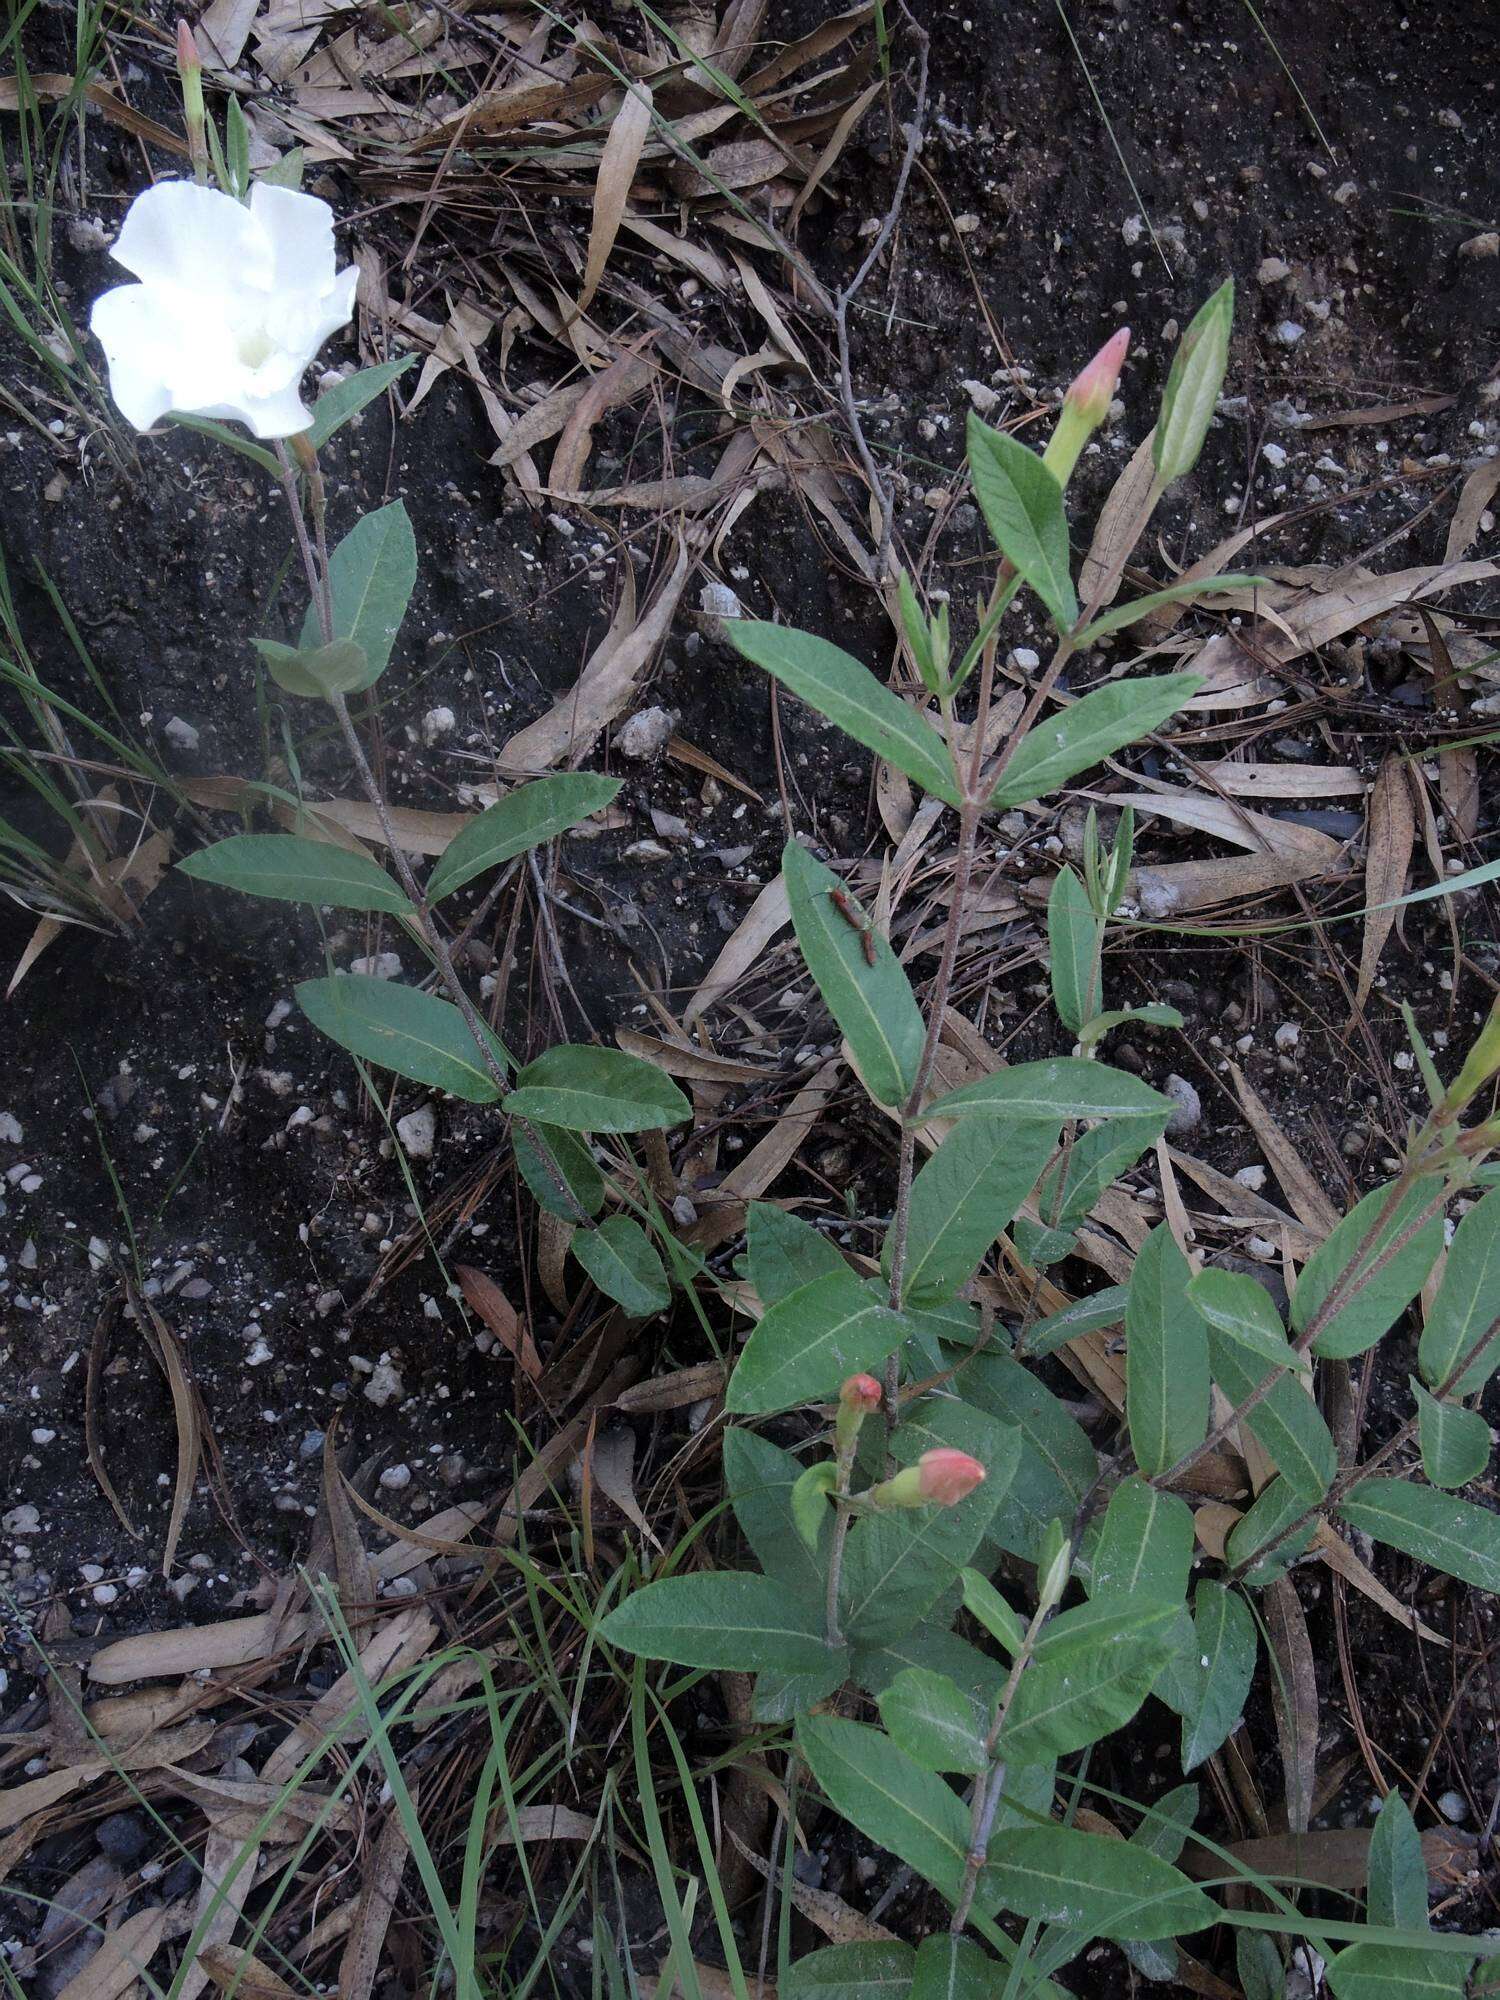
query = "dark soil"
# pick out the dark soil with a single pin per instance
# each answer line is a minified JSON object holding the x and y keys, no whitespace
{"x":173,"y":1109}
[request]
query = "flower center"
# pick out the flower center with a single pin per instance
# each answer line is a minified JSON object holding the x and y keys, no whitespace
{"x":255,"y":346}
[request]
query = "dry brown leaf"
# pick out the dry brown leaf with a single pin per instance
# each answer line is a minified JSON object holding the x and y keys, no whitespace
{"x":1212,"y":1524}
{"x":51,"y":89}
{"x":1294,"y":1698}
{"x":185,"y":1410}
{"x":351,"y":1559}
{"x":1338,"y":1555}
{"x":1177,"y":888}
{"x":1392,"y":832}
{"x":20,"y":1802}
{"x":223,"y":29}
{"x":769,"y":1157}
{"x":683,"y":1059}
{"x":712,"y":1981}
{"x":495,"y":111}
{"x":1458,"y":787}
{"x":1238,"y":824}
{"x":768,"y":915}
{"x":673,"y":1392}
{"x":609,"y":1464}
{"x":191,"y":1649}
{"x":360,"y":1961}
{"x":628,"y":131}
{"x":1120,"y":514}
{"x":1474,"y":496}
{"x":1309,"y":1203}
{"x":621,"y":382}
{"x":554,"y":1239}
{"x":576,"y":720}
{"x":228,"y":1875}
{"x":1284,"y":781}
{"x":485,"y":1297}
{"x":244,"y":1975}
{"x":121,"y":1959}
{"x":529,"y":1823}
{"x":1337,"y":1857}
{"x":395,"y":1647}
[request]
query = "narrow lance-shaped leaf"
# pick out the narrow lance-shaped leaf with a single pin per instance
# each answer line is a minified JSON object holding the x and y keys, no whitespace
{"x":372,"y":573}
{"x":811,"y":1341}
{"x":961,"y":1200}
{"x":1397,"y":1882}
{"x":1461,"y":1540}
{"x":934,"y":1721}
{"x":1375,"y":1279}
{"x":1166,"y":1357}
{"x":1455,"y":1441}
{"x":415,"y":1034}
{"x":1023,"y":504}
{"x":1460,"y":1344}
{"x":1064,"y":1087}
{"x":1090,"y":1673}
{"x":620,"y":1259}
{"x":1074,"y":739}
{"x":837,"y":686}
{"x":876,"y":1970}
{"x":346,"y":399}
{"x":1144,"y":1548}
{"x":587,"y":1089}
{"x":1074,"y":936}
{"x":289,"y":869}
{"x":1109,"y":1888}
{"x":1208,"y":1681}
{"x":858,"y":975}
{"x":1286,"y":1423}
{"x":1193,"y":385}
{"x":1119,"y":616}
{"x":524,"y":818}
{"x":725,"y":1620}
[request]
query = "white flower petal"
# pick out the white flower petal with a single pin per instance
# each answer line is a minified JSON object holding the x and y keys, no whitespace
{"x":299,"y":229}
{"x":179,"y":234}
{"x":130,"y":325}
{"x":277,"y":415}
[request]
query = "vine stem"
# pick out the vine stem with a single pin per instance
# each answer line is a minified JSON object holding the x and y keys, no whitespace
{"x":319,"y":580}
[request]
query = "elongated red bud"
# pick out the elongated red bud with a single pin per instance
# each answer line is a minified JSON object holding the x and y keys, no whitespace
{"x":860,"y":1392}
{"x":858,"y":1397}
{"x":1092,"y":391}
{"x":948,"y":1476}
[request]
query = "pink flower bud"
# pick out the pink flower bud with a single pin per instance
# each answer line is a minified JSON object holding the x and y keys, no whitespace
{"x":1090,"y":392}
{"x":187,"y":50}
{"x":947,"y":1477}
{"x":861,"y":1392}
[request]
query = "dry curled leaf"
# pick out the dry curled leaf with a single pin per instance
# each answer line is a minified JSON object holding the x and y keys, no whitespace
{"x":1392,"y":831}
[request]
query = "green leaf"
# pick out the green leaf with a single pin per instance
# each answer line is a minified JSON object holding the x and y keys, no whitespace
{"x":897,"y":1564}
{"x":414,"y":1034}
{"x":783,"y":1252}
{"x":1466,"y":1310}
{"x":1166,"y":1357}
{"x":961,"y":1200}
{"x":1209,"y":1679}
{"x":987,"y":1605}
{"x":1091,"y":1671}
{"x":575,"y":1164}
{"x":1286,"y":1423}
{"x":1023,"y":504}
{"x":1074,"y":937}
{"x":1094,"y":1163}
{"x":934,"y":1722}
{"x":525,"y":817}
{"x":1375,"y":1293}
{"x":1057,"y":1463}
{"x":1108,"y":1888}
{"x":1065,"y":1087}
{"x":926,"y":1644}
{"x":372,"y":572}
{"x":872,"y":1002}
{"x":780,"y":1697}
{"x":287,"y":172}
{"x":1150,"y":1014}
{"x":337,"y":668}
{"x":1119,"y":616}
{"x":837,"y":686}
{"x":1091,"y":729}
{"x":1091,"y":1314}
{"x":619,"y":1257}
{"x":1397,"y":1882}
{"x":954,"y":1968}
{"x":726,"y":1620}
{"x":1144,"y":1552}
{"x":289,"y":869}
{"x":1394,"y":1972}
{"x":1455,"y":1441}
{"x":236,"y":148}
{"x":1240,"y":1308}
{"x":760,"y":1479}
{"x":1271,"y":1534}
{"x":1259,"y":1966}
{"x":874,"y":1971}
{"x":257,"y":454}
{"x":1453,"y":1536}
{"x":346,"y":399}
{"x":1192,"y":391}
{"x":586,"y":1089}
{"x":891,"y":1800}
{"x":810,"y":1500}
{"x":811,"y":1341}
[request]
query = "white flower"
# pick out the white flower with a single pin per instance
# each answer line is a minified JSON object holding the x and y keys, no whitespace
{"x":233,"y":304}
